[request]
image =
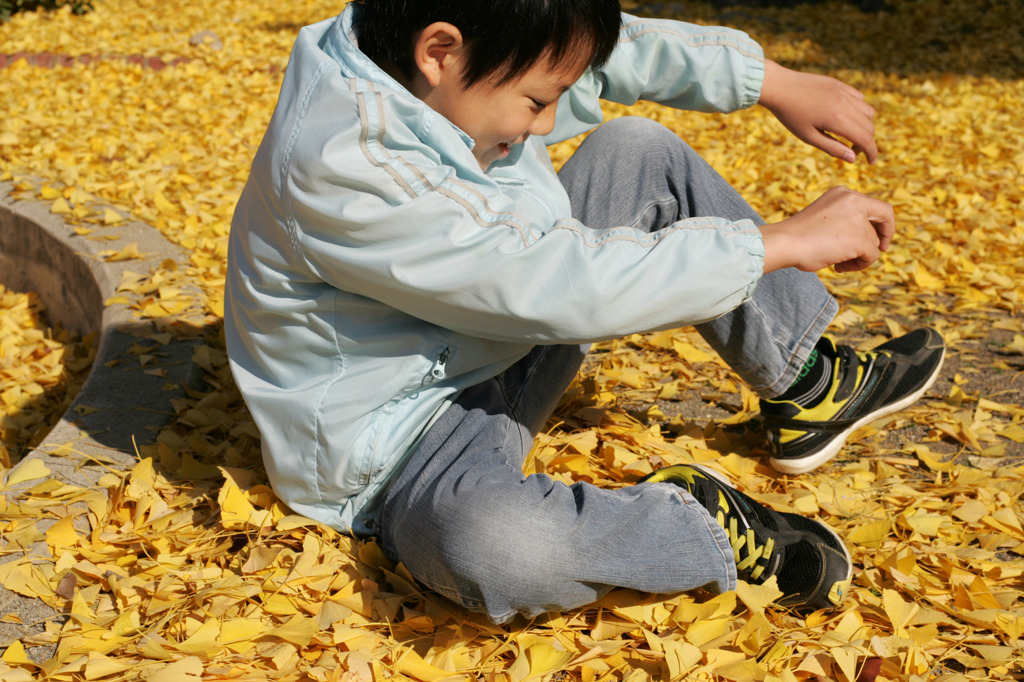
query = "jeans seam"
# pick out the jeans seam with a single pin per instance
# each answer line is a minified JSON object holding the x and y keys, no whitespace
{"x":718,"y":535}
{"x":773,"y":389}
{"x":513,"y":420}
{"x":513,"y":402}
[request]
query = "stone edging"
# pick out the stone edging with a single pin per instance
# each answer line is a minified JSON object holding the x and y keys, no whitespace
{"x":126,"y":403}
{"x":49,"y":60}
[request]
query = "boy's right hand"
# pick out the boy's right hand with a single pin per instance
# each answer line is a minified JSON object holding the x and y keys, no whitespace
{"x":842,"y":228}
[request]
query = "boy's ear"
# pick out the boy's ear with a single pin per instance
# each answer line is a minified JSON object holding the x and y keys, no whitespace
{"x":438,"y":51}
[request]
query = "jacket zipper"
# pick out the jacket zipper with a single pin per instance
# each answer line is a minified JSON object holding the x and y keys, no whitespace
{"x":437,"y":372}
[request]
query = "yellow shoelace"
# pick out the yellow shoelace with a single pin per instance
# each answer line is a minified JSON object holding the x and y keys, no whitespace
{"x":743,"y":543}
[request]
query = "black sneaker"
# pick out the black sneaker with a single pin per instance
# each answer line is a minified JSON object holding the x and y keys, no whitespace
{"x":865,"y":387}
{"x":811,"y":563}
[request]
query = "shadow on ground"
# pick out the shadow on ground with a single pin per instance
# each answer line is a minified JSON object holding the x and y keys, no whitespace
{"x":901,"y":37}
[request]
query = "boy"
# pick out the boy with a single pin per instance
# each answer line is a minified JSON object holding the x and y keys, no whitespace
{"x":410,"y":284}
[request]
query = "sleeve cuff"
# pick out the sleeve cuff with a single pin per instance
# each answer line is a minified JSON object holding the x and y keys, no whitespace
{"x":753,"y":81}
{"x":754,"y":244}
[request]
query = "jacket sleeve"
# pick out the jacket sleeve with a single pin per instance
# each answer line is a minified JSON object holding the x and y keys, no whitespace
{"x":479,"y":265}
{"x":685,"y":66}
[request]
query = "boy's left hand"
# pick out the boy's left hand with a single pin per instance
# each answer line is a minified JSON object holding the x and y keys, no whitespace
{"x":817,"y":108}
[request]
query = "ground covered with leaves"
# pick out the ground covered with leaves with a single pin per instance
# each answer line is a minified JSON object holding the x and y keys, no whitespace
{"x":187,"y":568}
{"x":41,"y":369}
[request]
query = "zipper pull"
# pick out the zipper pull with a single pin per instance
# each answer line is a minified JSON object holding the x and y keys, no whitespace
{"x":437,"y":372}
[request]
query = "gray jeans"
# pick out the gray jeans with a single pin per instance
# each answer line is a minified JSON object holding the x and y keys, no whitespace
{"x":470,"y":525}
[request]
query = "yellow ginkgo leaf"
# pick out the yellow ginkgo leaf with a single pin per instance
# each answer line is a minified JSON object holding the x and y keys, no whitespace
{"x":29,"y":470}
{"x":111,"y":217}
{"x":15,"y":653}
{"x":60,"y":207}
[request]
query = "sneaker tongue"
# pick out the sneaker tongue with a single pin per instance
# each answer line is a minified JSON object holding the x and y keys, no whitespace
{"x":849,"y":361}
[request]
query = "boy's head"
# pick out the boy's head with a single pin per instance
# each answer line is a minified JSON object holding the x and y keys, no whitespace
{"x":502,"y":38}
{"x":495,"y":69}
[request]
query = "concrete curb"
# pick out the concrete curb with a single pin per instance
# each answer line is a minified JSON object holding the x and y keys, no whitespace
{"x":39,"y":252}
{"x":49,"y":60}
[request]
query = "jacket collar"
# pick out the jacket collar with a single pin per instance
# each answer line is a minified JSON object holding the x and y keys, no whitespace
{"x":341,"y":45}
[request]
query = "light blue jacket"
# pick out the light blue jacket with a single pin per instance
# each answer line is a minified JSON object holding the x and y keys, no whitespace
{"x":375,"y":270}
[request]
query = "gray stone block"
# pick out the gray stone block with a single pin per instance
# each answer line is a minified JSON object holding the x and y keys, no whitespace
{"x":126,"y":405}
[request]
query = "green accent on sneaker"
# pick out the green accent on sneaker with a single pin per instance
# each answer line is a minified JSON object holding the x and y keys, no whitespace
{"x":812,"y":360}
{"x":810,"y":562}
{"x":864,"y":387}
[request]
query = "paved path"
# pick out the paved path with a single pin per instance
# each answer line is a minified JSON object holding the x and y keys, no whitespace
{"x":127,"y":403}
{"x":49,"y":60}
{"x":39,"y":252}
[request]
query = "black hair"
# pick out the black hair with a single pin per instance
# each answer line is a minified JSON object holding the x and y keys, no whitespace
{"x":503,"y":38}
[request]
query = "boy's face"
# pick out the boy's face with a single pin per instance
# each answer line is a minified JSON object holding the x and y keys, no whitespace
{"x":500,"y":116}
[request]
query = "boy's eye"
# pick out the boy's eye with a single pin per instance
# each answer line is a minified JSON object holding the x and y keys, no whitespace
{"x":539,"y":105}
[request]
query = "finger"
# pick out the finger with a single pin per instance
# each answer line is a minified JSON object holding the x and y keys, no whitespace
{"x":885,"y":235}
{"x":857,"y":150}
{"x":853,"y":119}
{"x":868,"y":149}
{"x":831,"y":146}
{"x":883,"y":219}
{"x":861,"y":134}
{"x":857,"y":264}
{"x":862,"y":107}
{"x":853,"y":265}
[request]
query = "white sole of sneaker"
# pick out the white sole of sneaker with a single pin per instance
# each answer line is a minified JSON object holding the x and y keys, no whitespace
{"x":825,"y":455}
